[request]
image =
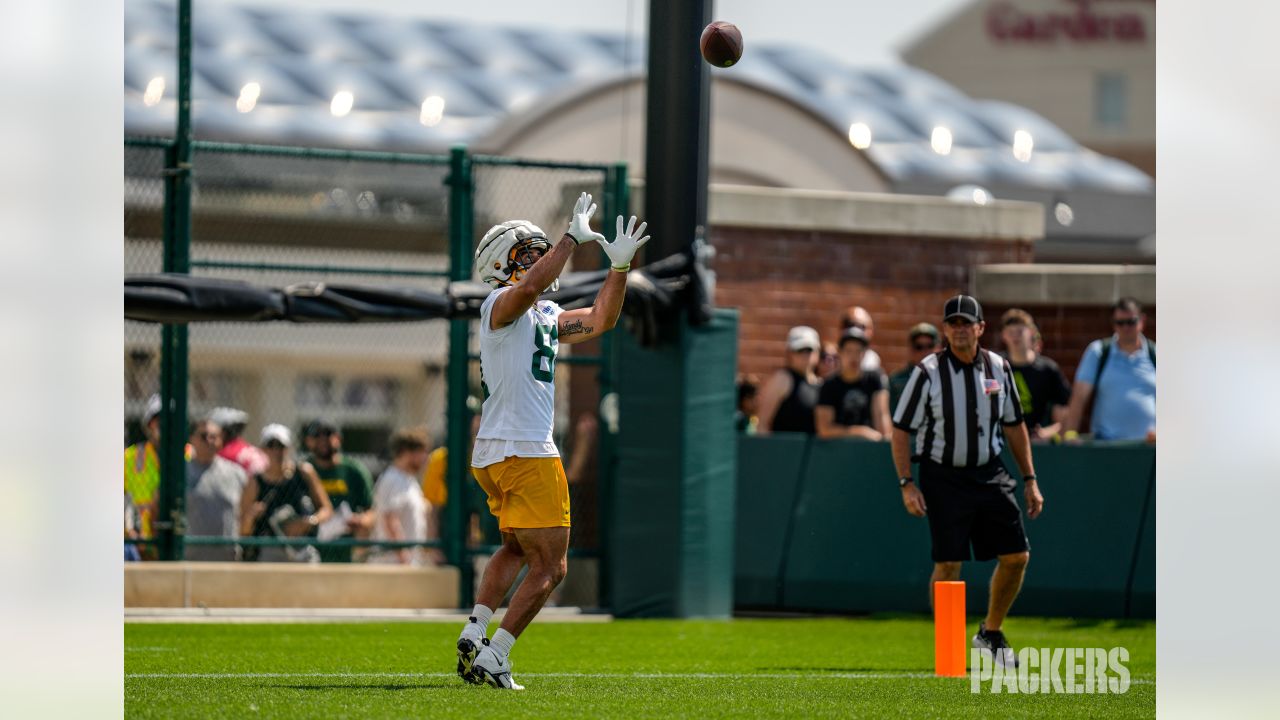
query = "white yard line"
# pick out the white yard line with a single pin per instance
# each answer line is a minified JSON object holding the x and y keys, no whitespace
{"x":333,"y":615}
{"x":636,"y":675}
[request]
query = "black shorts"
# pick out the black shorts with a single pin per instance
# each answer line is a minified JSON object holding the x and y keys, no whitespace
{"x":971,"y":506}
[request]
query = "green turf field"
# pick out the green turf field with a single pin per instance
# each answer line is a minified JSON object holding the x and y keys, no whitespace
{"x":802,"y":668}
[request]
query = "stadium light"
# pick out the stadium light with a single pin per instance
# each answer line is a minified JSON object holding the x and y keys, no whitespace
{"x":248,"y":97}
{"x":975,"y":194}
{"x":941,"y":140}
{"x":154,"y":91}
{"x":1063,"y":213}
{"x":343,"y":100}
{"x":860,"y":135}
{"x":1022,"y":145}
{"x":432,"y":111}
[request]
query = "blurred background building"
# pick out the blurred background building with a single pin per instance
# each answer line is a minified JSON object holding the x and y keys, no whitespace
{"x":1089,"y":66}
{"x":1048,"y":102}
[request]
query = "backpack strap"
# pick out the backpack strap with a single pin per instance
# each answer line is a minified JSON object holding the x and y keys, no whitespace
{"x":1102,"y":360}
{"x":1106,"y":353}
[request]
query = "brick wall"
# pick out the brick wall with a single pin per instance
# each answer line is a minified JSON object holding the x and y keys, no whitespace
{"x":782,"y":278}
{"x":1066,"y":330}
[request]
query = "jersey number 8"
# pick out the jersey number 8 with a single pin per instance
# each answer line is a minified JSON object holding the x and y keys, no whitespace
{"x":545,"y":339}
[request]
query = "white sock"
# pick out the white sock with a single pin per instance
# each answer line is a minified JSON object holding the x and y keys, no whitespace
{"x":502,"y":642}
{"x":482,"y":615}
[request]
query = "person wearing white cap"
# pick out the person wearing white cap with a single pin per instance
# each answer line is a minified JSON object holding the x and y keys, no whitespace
{"x":235,"y":448}
{"x":284,"y":500}
{"x":142,"y":474}
{"x":790,"y":395}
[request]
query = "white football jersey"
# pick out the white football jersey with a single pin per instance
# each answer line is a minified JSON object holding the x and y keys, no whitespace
{"x":517,"y":371}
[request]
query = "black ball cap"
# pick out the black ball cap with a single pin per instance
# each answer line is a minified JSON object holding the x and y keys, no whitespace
{"x":965,"y":306}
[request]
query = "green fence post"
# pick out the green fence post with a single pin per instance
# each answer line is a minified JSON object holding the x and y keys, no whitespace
{"x":171,"y":517}
{"x":459,"y":421}
{"x":617,"y":201}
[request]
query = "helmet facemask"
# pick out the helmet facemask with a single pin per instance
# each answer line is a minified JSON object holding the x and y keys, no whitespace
{"x":523,"y":255}
{"x":507,"y":252}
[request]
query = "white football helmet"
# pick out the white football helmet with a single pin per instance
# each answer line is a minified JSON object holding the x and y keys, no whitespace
{"x":498,"y":256}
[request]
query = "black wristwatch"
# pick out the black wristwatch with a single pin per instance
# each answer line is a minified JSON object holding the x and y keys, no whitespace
{"x":1028,"y":478}
{"x":904,"y":481}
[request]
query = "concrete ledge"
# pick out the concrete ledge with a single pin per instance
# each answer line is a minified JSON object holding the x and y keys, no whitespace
{"x":1063,"y":284}
{"x":283,"y":585}
{"x":866,"y":213}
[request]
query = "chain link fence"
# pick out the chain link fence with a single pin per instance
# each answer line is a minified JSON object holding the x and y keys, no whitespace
{"x":278,"y":217}
{"x":282,"y":219}
{"x":143,"y":253}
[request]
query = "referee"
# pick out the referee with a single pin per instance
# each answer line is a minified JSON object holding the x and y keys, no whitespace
{"x":962,"y":404}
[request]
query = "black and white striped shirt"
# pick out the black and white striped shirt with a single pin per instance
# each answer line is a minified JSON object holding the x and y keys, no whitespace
{"x":956,"y":409}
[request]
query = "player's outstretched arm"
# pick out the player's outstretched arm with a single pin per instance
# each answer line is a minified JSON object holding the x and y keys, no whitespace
{"x":580,"y":325}
{"x":516,"y":301}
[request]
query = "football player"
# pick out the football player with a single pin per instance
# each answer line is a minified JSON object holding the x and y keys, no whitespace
{"x":515,"y":460}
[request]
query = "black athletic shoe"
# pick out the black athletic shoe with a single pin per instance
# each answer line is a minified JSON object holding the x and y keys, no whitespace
{"x":994,"y":642}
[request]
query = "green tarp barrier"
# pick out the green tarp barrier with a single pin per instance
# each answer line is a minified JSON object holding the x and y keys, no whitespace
{"x":672,"y":533}
{"x":821,"y":527}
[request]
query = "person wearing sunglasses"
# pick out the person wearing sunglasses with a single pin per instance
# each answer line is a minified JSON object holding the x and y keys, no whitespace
{"x":789,"y":395}
{"x":963,"y":408}
{"x":1117,"y":377}
{"x":345,"y":480}
{"x":922,"y":341}
{"x":284,"y":500}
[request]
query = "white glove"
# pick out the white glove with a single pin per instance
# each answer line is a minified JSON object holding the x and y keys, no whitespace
{"x":625,"y":245}
{"x":580,"y":224}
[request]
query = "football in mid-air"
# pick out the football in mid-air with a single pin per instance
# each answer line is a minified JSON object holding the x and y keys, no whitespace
{"x":721,"y":44}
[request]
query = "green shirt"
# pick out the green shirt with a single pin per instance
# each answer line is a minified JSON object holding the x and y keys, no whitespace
{"x":347,"y":481}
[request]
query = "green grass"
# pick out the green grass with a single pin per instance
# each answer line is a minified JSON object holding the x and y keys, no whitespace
{"x":806,"y":668}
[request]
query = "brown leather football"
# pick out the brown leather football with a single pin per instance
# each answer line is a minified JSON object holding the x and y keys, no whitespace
{"x":721,"y":44}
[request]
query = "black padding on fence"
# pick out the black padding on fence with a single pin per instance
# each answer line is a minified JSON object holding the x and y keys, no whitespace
{"x":653,"y":296}
{"x":821,"y":527}
{"x":174,"y":298}
{"x":324,"y":303}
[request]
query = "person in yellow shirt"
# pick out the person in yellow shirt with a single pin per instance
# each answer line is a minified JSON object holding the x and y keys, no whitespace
{"x":142,"y":474}
{"x":435,"y":487}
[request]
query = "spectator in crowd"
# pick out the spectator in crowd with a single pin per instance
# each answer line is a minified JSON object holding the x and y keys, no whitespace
{"x":400,"y":508}
{"x":582,"y":449}
{"x":345,"y":481}
{"x":1118,"y":374}
{"x":309,"y":436}
{"x":857,"y":316}
{"x":854,"y":402}
{"x":284,"y":500}
{"x":788,"y":398}
{"x":581,"y":476}
{"x":435,"y":489}
{"x":234,"y":447}
{"x":745,"y":420}
{"x":828,"y":360}
{"x":923,"y":340}
{"x":214,"y":487}
{"x":1042,"y":388}
{"x":142,"y":477}
{"x":131,"y":521}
